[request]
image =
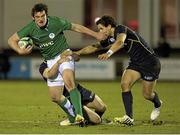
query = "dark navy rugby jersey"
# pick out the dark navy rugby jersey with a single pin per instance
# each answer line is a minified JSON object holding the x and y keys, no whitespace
{"x":42,"y":67}
{"x":136,"y":47}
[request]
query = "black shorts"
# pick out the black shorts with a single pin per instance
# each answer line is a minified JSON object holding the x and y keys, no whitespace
{"x":149,"y":70}
{"x":87,"y":96}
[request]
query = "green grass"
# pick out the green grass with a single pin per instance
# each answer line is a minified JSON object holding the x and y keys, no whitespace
{"x":25,"y":107}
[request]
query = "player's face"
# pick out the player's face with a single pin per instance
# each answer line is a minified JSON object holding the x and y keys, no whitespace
{"x":40,"y":18}
{"x":104,"y":30}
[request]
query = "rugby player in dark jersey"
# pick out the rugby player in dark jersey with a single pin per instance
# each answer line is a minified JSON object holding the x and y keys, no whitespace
{"x":144,"y":64}
{"x":89,"y":99}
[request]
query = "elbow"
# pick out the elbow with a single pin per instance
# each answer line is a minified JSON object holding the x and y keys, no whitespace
{"x":50,"y":76}
{"x":10,"y":41}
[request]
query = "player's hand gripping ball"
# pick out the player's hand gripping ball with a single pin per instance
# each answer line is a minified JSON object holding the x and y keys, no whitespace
{"x":25,"y":42}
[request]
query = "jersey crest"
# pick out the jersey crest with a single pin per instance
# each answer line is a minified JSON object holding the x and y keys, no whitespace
{"x":51,"y":35}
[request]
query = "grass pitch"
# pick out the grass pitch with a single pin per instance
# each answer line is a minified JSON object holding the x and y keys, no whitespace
{"x":25,"y":107}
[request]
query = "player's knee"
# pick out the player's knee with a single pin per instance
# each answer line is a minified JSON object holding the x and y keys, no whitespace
{"x":99,"y":120}
{"x":103,"y":107}
{"x":147,"y":96}
{"x":56,"y":99}
{"x":125,"y":85}
{"x":100,"y":105}
{"x":69,"y":85}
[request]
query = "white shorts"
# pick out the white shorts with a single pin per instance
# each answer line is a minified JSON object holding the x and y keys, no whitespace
{"x":58,"y":81}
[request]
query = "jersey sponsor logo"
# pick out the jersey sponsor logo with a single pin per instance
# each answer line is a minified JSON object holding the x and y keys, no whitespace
{"x":148,"y":77}
{"x":46,"y":44}
{"x":91,"y":96}
{"x":51,"y":35}
{"x":112,"y":40}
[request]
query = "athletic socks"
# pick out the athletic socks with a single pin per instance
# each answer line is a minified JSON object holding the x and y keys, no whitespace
{"x":76,"y":101}
{"x":68,"y":108}
{"x":128,"y":102}
{"x":156,"y":100}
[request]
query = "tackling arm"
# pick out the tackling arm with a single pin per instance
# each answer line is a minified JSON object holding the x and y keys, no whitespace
{"x":89,"y":49}
{"x":82,"y":29}
{"x":119,"y":42}
{"x":52,"y":72}
{"x":115,"y":47}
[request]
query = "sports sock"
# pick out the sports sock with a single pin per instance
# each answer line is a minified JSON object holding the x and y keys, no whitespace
{"x":68,"y":108}
{"x":156,"y":100}
{"x":128,"y":101}
{"x":76,"y":101}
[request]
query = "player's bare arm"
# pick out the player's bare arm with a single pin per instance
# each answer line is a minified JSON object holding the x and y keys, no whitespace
{"x":13,"y":43}
{"x":114,"y":48}
{"x":68,"y":53}
{"x":52,"y":72}
{"x":89,"y":49}
{"x":81,"y":29}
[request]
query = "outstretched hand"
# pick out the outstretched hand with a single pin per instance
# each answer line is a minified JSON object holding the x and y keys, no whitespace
{"x":63,"y":59}
{"x":68,"y":57}
{"x":66,"y":53}
{"x":75,"y":56}
{"x":103,"y":56}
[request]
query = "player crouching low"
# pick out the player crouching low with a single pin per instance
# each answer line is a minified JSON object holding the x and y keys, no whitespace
{"x":89,"y":99}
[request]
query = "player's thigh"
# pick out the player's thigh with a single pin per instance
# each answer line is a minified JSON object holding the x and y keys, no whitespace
{"x":129,"y":77}
{"x":58,"y":80}
{"x":67,"y":71}
{"x":148,"y":87}
{"x":68,"y":75}
{"x":69,"y":79}
{"x":56,"y":92}
{"x":97,"y":104}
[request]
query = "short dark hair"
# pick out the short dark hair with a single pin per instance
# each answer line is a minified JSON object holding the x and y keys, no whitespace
{"x":39,"y":8}
{"x":106,"y":20}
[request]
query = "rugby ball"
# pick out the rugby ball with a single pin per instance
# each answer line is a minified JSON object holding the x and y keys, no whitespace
{"x":25,"y":42}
